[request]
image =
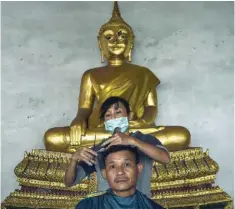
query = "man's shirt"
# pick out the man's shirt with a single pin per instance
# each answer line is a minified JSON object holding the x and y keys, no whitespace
{"x":108,"y":200}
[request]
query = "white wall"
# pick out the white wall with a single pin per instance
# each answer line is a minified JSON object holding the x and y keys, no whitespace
{"x":46,"y":47}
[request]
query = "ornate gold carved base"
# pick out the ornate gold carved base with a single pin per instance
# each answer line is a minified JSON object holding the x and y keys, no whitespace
{"x":187,"y":182}
{"x":195,"y":198}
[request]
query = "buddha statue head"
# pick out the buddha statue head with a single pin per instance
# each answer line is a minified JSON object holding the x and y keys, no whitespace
{"x":116,"y":39}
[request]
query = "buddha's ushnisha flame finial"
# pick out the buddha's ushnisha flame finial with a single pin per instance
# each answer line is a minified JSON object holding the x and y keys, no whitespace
{"x":116,"y":20}
{"x":116,"y":12}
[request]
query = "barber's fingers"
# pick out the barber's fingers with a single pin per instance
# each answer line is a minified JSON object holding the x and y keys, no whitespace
{"x":91,"y":152}
{"x":92,"y":158}
{"x":88,"y":150}
{"x":92,"y":161}
{"x":110,"y":140}
{"x":116,"y":142}
{"x":88,"y":155}
{"x":89,"y":160}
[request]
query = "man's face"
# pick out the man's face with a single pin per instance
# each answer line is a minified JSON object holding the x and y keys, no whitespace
{"x":116,"y":110}
{"x":122,"y":171}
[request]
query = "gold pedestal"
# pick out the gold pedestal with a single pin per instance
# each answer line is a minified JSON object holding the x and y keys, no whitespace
{"x":186,"y":182}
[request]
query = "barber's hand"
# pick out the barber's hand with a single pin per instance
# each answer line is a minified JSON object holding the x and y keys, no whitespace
{"x":85,"y":154}
{"x":119,"y":139}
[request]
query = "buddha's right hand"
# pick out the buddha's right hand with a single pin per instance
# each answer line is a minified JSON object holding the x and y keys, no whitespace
{"x":86,"y":155}
{"x":77,"y":129}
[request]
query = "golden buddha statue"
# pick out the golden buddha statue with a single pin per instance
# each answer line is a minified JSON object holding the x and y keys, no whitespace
{"x":186,"y":182}
{"x":119,"y":77}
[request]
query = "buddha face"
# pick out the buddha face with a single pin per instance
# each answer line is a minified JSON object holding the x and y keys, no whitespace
{"x":115,"y":42}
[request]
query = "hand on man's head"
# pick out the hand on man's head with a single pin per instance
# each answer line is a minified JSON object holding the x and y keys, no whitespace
{"x":119,"y":139}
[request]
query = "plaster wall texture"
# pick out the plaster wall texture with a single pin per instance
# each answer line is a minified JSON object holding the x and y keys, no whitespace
{"x":47,"y":46}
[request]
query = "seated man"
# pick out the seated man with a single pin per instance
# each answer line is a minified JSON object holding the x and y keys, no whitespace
{"x":115,"y":112}
{"x":121,"y":169}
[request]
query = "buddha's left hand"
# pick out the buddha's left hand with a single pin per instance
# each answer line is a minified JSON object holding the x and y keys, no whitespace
{"x":119,"y":139}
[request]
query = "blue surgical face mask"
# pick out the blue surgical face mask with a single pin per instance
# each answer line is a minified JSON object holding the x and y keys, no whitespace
{"x":121,"y":122}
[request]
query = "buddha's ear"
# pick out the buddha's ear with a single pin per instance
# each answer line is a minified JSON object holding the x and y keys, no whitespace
{"x":101,"y":50}
{"x":103,"y":172}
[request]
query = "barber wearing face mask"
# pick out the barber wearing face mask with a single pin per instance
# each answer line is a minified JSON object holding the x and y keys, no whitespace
{"x":115,"y":112}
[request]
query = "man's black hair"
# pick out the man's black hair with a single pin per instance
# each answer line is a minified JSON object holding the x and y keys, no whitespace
{"x":117,"y":148}
{"x":113,"y":100}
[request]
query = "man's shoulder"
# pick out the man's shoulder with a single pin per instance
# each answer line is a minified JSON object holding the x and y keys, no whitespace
{"x":155,"y":205}
{"x":147,"y":201}
{"x":90,"y":200}
{"x":96,"y":194}
{"x":150,"y":139}
{"x":140,"y":135}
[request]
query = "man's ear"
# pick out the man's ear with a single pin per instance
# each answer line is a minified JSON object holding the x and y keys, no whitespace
{"x":139,"y":167}
{"x":103,"y":172}
{"x":130,"y":116}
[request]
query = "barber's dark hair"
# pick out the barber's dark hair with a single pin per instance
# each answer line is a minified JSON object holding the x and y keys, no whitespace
{"x":117,"y":148}
{"x":110,"y":101}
